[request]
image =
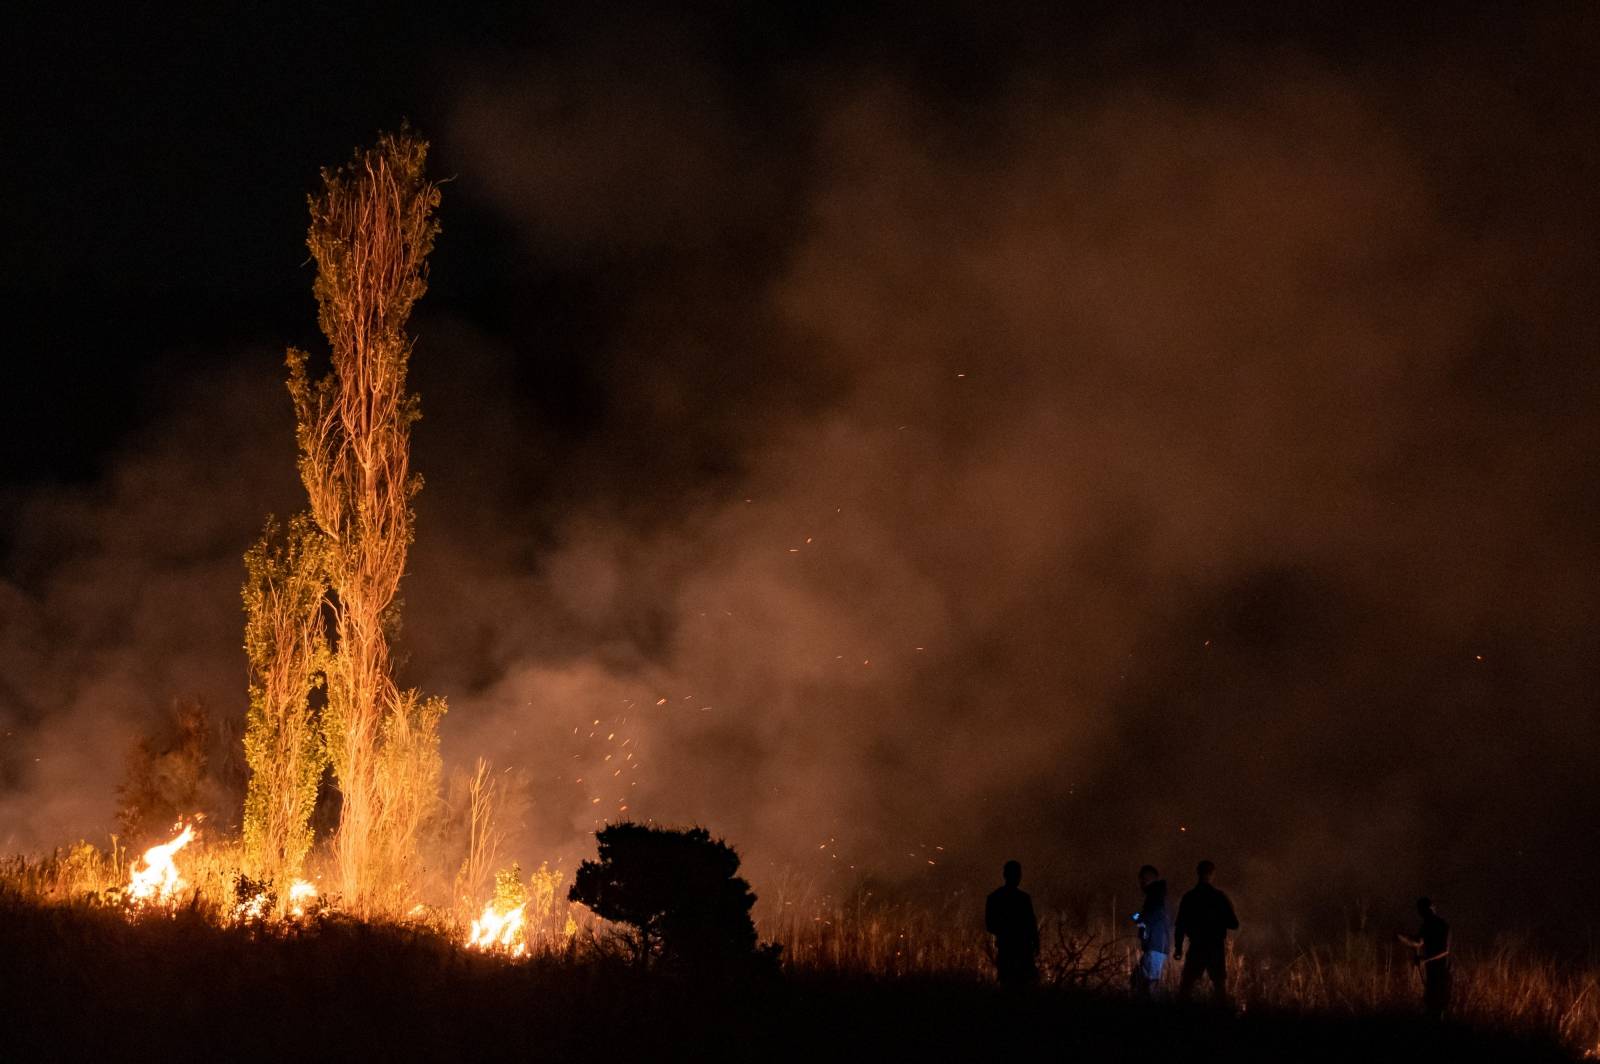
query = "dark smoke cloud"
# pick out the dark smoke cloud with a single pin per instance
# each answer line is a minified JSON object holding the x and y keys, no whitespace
{"x":1094,"y":472}
{"x":1201,"y":468}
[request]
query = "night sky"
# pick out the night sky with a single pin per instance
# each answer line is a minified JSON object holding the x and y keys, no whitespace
{"x":1094,"y":434}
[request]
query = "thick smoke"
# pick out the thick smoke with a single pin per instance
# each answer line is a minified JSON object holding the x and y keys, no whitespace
{"x":1094,"y":472}
{"x":123,"y":596}
{"x":1171,"y":470}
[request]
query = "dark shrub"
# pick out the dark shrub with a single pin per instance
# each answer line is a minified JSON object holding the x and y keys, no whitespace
{"x":677,"y":892}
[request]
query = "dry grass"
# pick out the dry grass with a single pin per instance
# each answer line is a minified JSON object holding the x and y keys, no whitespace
{"x":1508,"y":986}
{"x":176,"y":986}
{"x":211,"y":866}
{"x":884,"y":939}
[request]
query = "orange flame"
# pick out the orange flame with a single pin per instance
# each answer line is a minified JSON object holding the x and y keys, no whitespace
{"x":497,"y":932}
{"x":301,"y":895}
{"x":158,"y":882}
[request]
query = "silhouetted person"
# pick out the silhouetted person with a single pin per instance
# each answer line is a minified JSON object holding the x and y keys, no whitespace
{"x":1433,"y":958}
{"x":1008,"y":914}
{"x":1205,"y":916}
{"x":1155,"y":934}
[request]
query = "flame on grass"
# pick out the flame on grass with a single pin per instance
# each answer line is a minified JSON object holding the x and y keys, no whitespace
{"x":155,"y":878}
{"x":499,"y":932}
{"x":302,"y":896}
{"x":252,"y":909}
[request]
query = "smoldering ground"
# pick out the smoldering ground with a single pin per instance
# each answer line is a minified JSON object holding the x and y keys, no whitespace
{"x":1094,"y":463}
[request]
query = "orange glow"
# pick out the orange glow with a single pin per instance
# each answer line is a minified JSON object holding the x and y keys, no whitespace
{"x":158,"y":881}
{"x":497,"y":932}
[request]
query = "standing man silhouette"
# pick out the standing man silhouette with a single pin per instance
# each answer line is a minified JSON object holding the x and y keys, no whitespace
{"x":1008,"y":914}
{"x":1155,"y":934}
{"x":1433,"y":957}
{"x":1205,"y":916}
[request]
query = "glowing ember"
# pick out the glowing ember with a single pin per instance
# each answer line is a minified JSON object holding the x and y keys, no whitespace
{"x":252,"y":908}
{"x":301,"y":896}
{"x":158,"y":881}
{"x":497,"y":932}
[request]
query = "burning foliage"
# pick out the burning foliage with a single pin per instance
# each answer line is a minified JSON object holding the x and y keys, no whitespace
{"x":521,"y":915}
{"x":321,"y":605}
{"x":372,"y":227}
{"x":288,"y":653}
{"x":321,"y":601}
{"x":254,"y":900}
{"x":303,"y":898}
{"x":500,"y":928}
{"x":155,"y":879}
{"x":499,"y":931}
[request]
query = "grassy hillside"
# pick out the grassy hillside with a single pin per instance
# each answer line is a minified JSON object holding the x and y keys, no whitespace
{"x":85,"y":982}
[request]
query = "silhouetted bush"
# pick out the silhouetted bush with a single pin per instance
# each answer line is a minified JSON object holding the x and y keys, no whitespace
{"x":677,"y":892}
{"x":186,"y":764}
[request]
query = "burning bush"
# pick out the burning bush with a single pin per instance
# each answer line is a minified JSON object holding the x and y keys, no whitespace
{"x":253,"y":900}
{"x":501,"y":927}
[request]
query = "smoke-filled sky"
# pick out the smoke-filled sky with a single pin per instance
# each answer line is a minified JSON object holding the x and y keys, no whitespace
{"x":901,"y":441}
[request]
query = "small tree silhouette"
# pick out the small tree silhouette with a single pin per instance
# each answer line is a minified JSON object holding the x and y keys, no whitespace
{"x":677,"y":892}
{"x":170,"y":774}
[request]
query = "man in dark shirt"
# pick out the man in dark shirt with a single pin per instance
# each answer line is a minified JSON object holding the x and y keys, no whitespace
{"x":1155,"y":934}
{"x":1433,"y":957}
{"x":1008,"y":914}
{"x":1205,"y":916}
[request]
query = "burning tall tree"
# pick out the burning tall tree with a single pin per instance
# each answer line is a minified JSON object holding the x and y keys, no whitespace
{"x":285,"y":642}
{"x":372,"y":226}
